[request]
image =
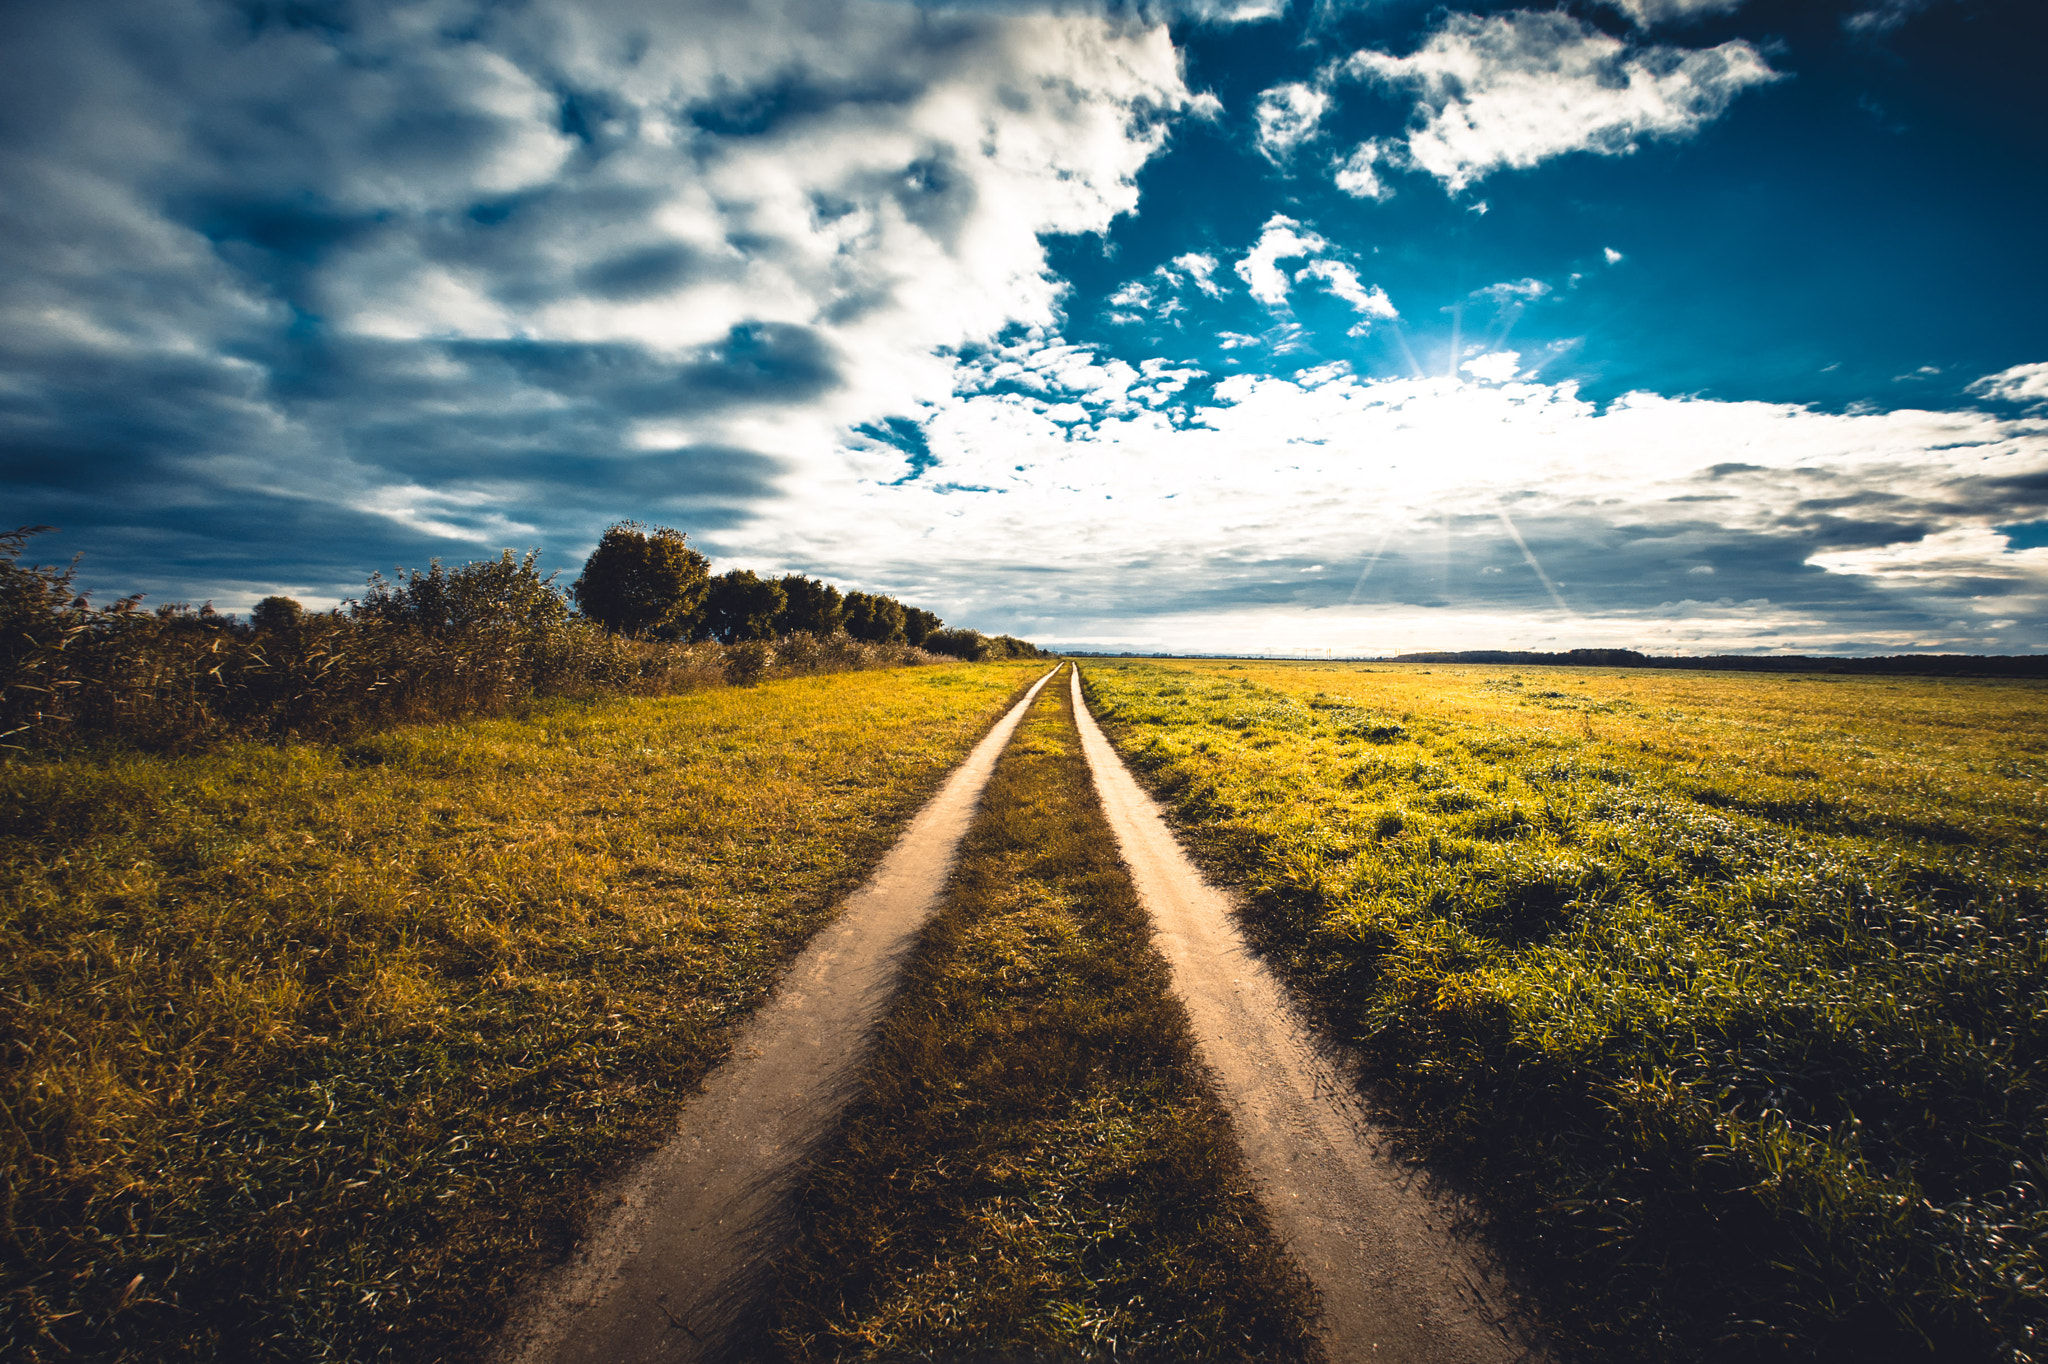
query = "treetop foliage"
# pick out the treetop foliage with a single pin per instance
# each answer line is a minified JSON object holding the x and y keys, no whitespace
{"x":811,"y":606}
{"x":644,"y":582}
{"x":740,"y":606}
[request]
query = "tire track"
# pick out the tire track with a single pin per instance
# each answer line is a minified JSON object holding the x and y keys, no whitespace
{"x":670,"y":1271}
{"x":1397,"y":1278}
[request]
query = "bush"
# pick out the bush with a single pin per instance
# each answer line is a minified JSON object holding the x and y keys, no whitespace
{"x":976,"y":647}
{"x":479,"y":639}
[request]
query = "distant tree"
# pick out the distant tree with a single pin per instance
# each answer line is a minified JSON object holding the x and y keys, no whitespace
{"x":641,"y":581}
{"x":276,"y":613}
{"x":505,"y":593}
{"x":968,"y":644}
{"x":739,"y":607}
{"x":918,"y":625}
{"x":876,"y":619}
{"x":811,"y":606}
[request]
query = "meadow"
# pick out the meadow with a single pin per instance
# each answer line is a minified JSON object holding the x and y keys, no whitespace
{"x":1037,"y":1168}
{"x":1725,"y":991}
{"x":311,"y":1050}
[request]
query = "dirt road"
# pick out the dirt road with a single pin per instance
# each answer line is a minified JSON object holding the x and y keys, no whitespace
{"x":1396,"y":1280}
{"x":669,"y":1272}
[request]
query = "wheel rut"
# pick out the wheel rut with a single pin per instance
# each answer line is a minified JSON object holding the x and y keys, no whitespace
{"x":671,"y":1270}
{"x":1397,"y":1277}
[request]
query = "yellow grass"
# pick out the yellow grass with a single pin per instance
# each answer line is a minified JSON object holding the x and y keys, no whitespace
{"x":1727,"y":985}
{"x":311,"y":1050}
{"x":1037,"y":1169}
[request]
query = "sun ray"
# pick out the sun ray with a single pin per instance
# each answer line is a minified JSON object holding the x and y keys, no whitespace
{"x":1366,"y":572}
{"x":1530,"y":555}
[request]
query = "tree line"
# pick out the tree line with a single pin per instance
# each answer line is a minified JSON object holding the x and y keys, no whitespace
{"x":647,"y":617}
{"x":647,"y":581}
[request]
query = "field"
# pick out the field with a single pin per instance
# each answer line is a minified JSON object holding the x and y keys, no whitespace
{"x":1727,"y":991}
{"x":311,"y":1050}
{"x":1037,"y":1169}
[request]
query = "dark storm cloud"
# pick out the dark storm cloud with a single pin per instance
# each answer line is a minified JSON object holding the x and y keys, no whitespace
{"x":755,"y":363}
{"x":321,"y":283}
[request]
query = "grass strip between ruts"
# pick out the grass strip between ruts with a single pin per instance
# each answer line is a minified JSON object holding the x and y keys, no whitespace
{"x":1037,"y":1168}
{"x":309,"y":1052}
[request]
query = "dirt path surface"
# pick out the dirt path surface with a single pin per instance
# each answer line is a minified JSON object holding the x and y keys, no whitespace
{"x":669,"y":1271}
{"x":1397,"y":1281}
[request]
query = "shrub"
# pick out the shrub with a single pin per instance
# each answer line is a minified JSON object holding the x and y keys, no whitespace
{"x":478,"y":639}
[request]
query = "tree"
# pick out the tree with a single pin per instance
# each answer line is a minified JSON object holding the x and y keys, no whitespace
{"x":644,"y":582}
{"x":813,"y":606}
{"x":918,"y":625}
{"x":876,"y":619}
{"x":276,"y":613}
{"x":740,"y":606}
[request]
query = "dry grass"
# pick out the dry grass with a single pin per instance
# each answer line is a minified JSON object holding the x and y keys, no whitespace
{"x":1728,"y":987}
{"x":1037,"y":1170}
{"x":310,"y":1051}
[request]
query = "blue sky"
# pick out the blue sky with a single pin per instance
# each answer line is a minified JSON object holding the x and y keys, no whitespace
{"x":1679,"y":324}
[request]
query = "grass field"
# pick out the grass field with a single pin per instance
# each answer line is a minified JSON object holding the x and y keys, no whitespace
{"x":1728,"y":990}
{"x":1037,"y":1169}
{"x":310,"y":1051}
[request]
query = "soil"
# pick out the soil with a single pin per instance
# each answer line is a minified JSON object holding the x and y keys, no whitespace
{"x":1401,"y":1273}
{"x":672,"y":1267}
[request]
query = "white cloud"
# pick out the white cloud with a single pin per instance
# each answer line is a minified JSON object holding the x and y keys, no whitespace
{"x":1356,"y":174}
{"x":814,"y":260}
{"x":1612,"y":256}
{"x":1288,"y":115}
{"x":1496,"y":367}
{"x":1513,"y":291}
{"x":2020,"y":384}
{"x":1517,"y":89}
{"x":1340,"y":279}
{"x":1201,"y":267}
{"x":1961,"y":552}
{"x":1619,"y":503}
{"x":1644,"y":13}
{"x":1278,"y":241}
{"x":1884,"y":17}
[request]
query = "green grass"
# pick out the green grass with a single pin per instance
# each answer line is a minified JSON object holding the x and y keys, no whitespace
{"x":1037,"y":1169}
{"x":311,"y":1051}
{"x":1731,"y":991}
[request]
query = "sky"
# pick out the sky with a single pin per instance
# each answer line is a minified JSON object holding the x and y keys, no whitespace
{"x":1215,"y":326}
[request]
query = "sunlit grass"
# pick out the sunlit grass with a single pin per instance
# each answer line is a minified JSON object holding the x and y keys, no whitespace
{"x":1037,"y":1170}
{"x":310,"y":1051}
{"x":1729,"y":987}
